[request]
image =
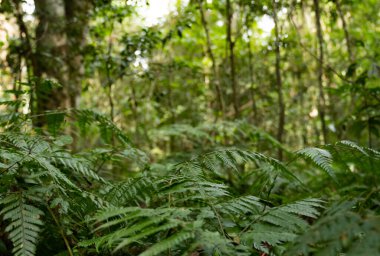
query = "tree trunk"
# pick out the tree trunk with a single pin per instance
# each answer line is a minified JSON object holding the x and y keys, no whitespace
{"x":77,"y":14}
{"x":251,"y":74}
{"x":59,"y":41}
{"x":345,"y":29}
{"x":231,"y":46}
{"x":216,"y":78}
{"x":321,"y":99}
{"x":51,"y":42}
{"x":281,"y":104}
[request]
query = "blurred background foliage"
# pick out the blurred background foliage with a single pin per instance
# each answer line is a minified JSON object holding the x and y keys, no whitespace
{"x":149,"y":75}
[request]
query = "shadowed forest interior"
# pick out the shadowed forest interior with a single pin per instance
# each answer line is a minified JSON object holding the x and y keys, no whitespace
{"x":189,"y":127}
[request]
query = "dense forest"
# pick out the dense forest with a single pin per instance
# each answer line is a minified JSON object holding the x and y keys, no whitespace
{"x":221,"y":127}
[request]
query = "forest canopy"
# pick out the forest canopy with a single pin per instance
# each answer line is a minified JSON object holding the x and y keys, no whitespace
{"x":189,"y":127}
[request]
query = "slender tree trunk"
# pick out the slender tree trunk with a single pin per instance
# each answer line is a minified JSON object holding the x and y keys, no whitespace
{"x":77,"y":14}
{"x":350,"y":52}
{"x":17,"y":70}
{"x":281,"y":104}
{"x":108,"y":77}
{"x":134,"y":109}
{"x":231,"y":46}
{"x":321,"y":99}
{"x":251,"y":74}
{"x":303,"y":120}
{"x":345,"y":29}
{"x":30,"y":58}
{"x":171,"y":106}
{"x":216,"y":78}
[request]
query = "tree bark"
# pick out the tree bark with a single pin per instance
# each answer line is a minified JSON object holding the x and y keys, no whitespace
{"x":231,"y":46}
{"x":321,"y":99}
{"x":281,"y":104}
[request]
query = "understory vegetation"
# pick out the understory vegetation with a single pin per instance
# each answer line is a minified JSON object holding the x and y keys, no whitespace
{"x":228,"y":127}
{"x":220,"y":200}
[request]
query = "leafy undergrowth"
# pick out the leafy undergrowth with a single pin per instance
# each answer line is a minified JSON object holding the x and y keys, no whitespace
{"x":223,"y":201}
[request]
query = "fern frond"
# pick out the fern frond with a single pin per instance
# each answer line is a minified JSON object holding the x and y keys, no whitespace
{"x":146,"y":233}
{"x":263,"y":235}
{"x":231,"y":158}
{"x":350,"y":152}
{"x":54,"y":172}
{"x":278,"y":225}
{"x":24,"y":223}
{"x":183,"y":131}
{"x":107,"y":128}
{"x":341,"y":232}
{"x":193,"y":189}
{"x":214,"y":243}
{"x":168,"y":243}
{"x":290,"y":216}
{"x":240,"y":206}
{"x":35,"y":152}
{"x":352,"y":145}
{"x":306,"y":207}
{"x":133,"y":191}
{"x":320,"y":158}
{"x":135,"y":224}
{"x":77,"y":165}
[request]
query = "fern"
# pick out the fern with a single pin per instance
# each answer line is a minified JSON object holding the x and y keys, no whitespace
{"x":189,"y":195}
{"x":291,"y":217}
{"x":183,"y":131}
{"x":107,"y":128}
{"x":77,"y":165}
{"x":133,"y":191}
{"x":214,"y":243}
{"x":35,"y":170}
{"x":240,"y":206}
{"x":340,"y":231}
{"x":169,"y":243}
{"x":232,"y":158}
{"x":341,"y":153}
{"x":194,"y":207}
{"x":273,"y":225}
{"x":190,"y":189}
{"x":140,"y":223}
{"x":264,"y":237}
{"x":211,"y":133}
{"x":319,"y":157}
{"x":24,"y":223}
{"x":277,"y":225}
{"x":348,"y":152}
